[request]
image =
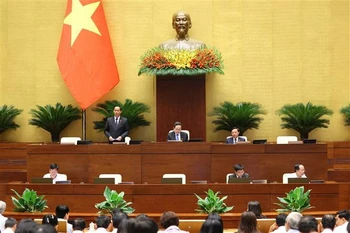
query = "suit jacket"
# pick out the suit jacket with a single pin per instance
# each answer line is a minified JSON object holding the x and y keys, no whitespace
{"x":184,"y":136}
{"x":114,"y":130}
{"x":230,"y":140}
{"x":245,"y":175}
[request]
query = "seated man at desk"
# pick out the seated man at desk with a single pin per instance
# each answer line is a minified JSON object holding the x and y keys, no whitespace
{"x":239,"y":172}
{"x":235,"y":137}
{"x":176,"y":134}
{"x":53,"y":173}
{"x":299,"y":171}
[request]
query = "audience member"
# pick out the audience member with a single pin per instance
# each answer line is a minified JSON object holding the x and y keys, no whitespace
{"x":170,"y":222}
{"x":215,"y":216}
{"x":117,"y":217}
{"x":117,"y":127}
{"x":26,"y":225}
{"x":62,"y":212}
{"x":292,"y":222}
{"x":342,"y":221}
{"x":211,"y":226}
{"x":103,"y":224}
{"x":248,"y":223}
{"x":53,"y":173}
{"x":45,"y":228}
{"x":176,"y":134}
{"x":299,"y":171}
{"x":308,"y":224}
{"x":79,"y":225}
{"x":50,"y":219}
{"x":235,"y":137}
{"x":239,"y":172}
{"x":10,"y":225}
{"x":138,"y":225}
{"x":279,"y":225}
{"x":2,"y":218}
{"x":254,"y":206}
{"x":327,"y":223}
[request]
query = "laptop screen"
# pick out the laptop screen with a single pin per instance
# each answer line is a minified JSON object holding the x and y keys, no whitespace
{"x":233,"y":180}
{"x":41,"y":180}
{"x":298,"y":180}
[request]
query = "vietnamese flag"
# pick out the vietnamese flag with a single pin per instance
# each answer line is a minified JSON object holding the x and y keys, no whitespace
{"x":85,"y":56}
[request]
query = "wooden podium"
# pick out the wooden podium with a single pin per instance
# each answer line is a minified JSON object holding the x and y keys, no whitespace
{"x":181,"y":98}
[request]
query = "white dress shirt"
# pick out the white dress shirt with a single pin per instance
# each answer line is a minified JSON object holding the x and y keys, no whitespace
{"x":59,"y":177}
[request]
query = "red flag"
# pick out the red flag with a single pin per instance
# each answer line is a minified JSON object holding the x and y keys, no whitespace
{"x":85,"y":56}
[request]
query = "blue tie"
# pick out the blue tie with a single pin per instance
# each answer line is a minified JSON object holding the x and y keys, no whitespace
{"x":177,"y":137}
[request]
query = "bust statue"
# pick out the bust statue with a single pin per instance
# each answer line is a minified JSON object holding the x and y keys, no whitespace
{"x":181,"y":23}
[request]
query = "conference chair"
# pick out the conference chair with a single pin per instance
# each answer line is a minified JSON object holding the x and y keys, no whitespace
{"x":286,"y":139}
{"x":227,"y":177}
{"x":182,"y":176}
{"x":70,"y":140}
{"x":183,"y":130}
{"x":286,"y":176}
{"x":62,"y":224}
{"x":127,"y":140}
{"x":117,"y":177}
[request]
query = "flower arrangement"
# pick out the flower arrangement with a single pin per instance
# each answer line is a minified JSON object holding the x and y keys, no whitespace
{"x":158,"y":61}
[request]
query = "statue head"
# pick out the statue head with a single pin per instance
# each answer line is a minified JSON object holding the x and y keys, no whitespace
{"x":182,"y":23}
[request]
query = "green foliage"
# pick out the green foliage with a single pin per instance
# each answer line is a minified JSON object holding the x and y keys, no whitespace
{"x":304,"y":118}
{"x":28,"y":202}
{"x":7,"y":115}
{"x":212,"y":203}
{"x":295,"y":201}
{"x":346,"y":112}
{"x":132,"y":111}
{"x":242,"y":115}
{"x":113,"y":200}
{"x":54,"y":119}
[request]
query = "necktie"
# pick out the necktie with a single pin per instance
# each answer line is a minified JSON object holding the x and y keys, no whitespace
{"x":177,"y":137}
{"x":234,"y":140}
{"x":117,"y":121}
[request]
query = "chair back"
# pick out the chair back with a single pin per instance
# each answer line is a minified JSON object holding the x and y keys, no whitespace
{"x":286,"y":139}
{"x":286,"y":176}
{"x":182,"y":176}
{"x":117,"y":177}
{"x":183,"y":130}
{"x":127,"y":140}
{"x":70,"y":140}
{"x":227,"y":177}
{"x":62,"y":225}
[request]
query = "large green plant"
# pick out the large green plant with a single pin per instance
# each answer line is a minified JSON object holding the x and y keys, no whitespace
{"x":296,"y":201}
{"x":29,"y":201}
{"x":133,"y":111}
{"x":54,"y":119}
{"x":113,"y":200}
{"x":346,"y":112}
{"x":304,"y":118}
{"x":7,"y":115}
{"x":242,"y":115}
{"x":212,"y":203}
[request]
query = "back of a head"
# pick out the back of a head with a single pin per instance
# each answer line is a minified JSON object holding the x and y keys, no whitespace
{"x":10,"y":222}
{"x":281,"y":219}
{"x":50,"y":219}
{"x":117,"y":217}
{"x":2,"y":207}
{"x":293,"y":220}
{"x":45,"y":228}
{"x":215,"y":216}
{"x":328,"y":221}
{"x":79,"y":224}
{"x":103,"y":221}
{"x":61,"y":211}
{"x":212,"y":226}
{"x":254,"y":206}
{"x":248,"y":223}
{"x":308,"y":224}
{"x":26,"y":225}
{"x":169,"y":218}
{"x":145,"y":225}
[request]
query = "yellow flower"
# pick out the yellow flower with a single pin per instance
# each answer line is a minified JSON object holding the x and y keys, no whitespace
{"x":180,"y":58}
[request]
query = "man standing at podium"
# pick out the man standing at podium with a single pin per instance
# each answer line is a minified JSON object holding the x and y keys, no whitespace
{"x":117,"y":127}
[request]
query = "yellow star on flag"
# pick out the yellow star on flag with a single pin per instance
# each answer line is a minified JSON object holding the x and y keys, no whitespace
{"x":80,"y":18}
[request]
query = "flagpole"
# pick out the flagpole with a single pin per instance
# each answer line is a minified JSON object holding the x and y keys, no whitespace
{"x":84,"y":124}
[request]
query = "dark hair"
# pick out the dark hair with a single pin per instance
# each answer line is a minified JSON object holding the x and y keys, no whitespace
{"x":343,"y":214}
{"x":138,"y":225}
{"x":247,"y":223}
{"x":215,"y":216}
{"x":177,"y":123}
{"x":26,"y":225}
{"x":79,"y":224}
{"x":54,"y":166}
{"x":61,"y":211}
{"x":45,"y":228}
{"x":328,"y":221}
{"x":117,"y":217}
{"x":103,"y":221}
{"x":308,"y":224}
{"x":297,"y":167}
{"x":235,"y":128}
{"x":10,"y":222}
{"x":254,"y":206}
{"x":50,"y":219}
{"x":281,"y":219}
{"x":212,"y":226}
{"x":169,"y":218}
{"x":238,"y":167}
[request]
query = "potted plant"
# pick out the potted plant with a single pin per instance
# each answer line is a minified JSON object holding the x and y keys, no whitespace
{"x":212,"y":203}
{"x":7,"y":115}
{"x":133,"y":111}
{"x":304,"y":118}
{"x":296,"y":201}
{"x":54,"y":119}
{"x":113,"y":200}
{"x":242,"y":115}
{"x":29,"y":201}
{"x":346,"y":112}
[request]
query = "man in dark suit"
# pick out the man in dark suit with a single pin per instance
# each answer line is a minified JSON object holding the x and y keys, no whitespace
{"x":117,"y":127}
{"x":239,"y":172}
{"x":235,"y":137}
{"x":176,"y":134}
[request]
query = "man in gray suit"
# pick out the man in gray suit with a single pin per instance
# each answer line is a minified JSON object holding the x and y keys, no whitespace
{"x":117,"y":127}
